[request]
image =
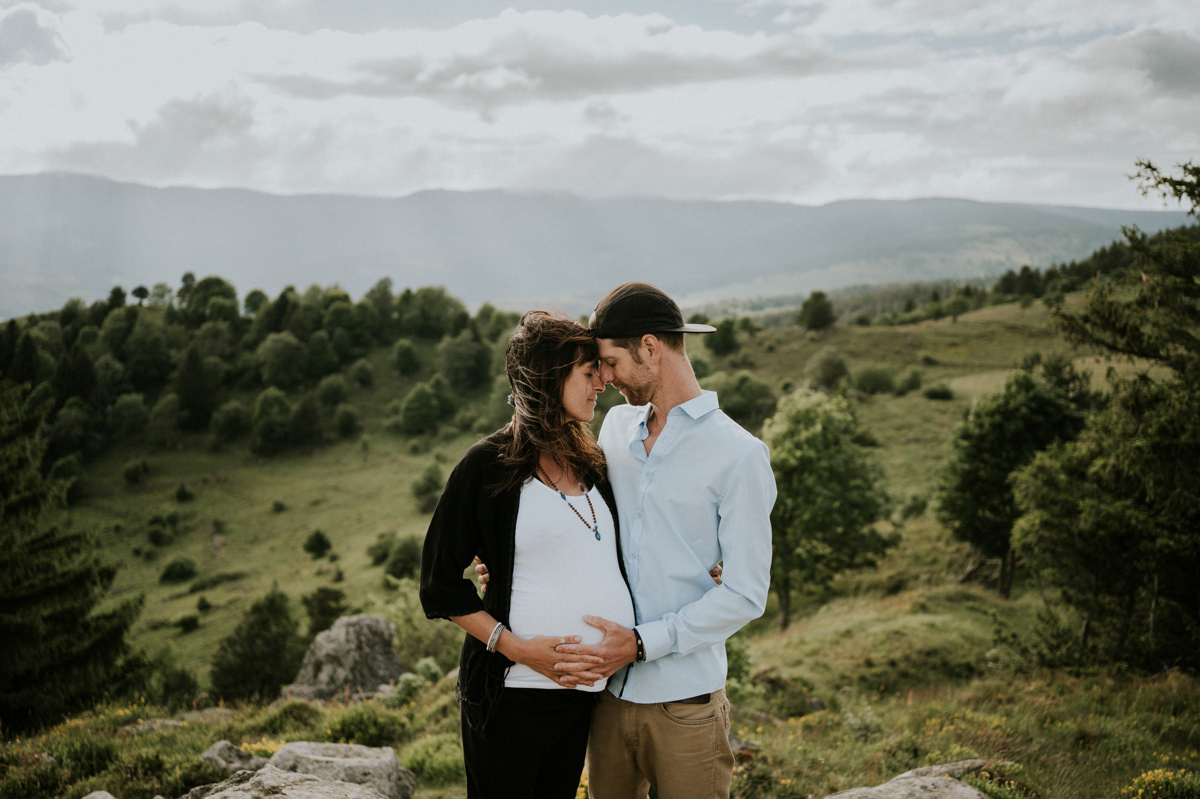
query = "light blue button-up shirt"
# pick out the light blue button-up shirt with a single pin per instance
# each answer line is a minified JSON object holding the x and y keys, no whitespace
{"x":702,"y":496}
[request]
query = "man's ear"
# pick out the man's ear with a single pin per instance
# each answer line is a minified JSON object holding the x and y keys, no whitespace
{"x":652,"y":345}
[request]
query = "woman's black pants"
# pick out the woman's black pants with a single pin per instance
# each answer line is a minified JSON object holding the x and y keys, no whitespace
{"x":533,"y":745}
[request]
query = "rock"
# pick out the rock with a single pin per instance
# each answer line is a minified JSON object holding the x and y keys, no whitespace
{"x":150,"y":725}
{"x":272,"y":782}
{"x":914,"y":788}
{"x":99,"y":795}
{"x":355,"y":656}
{"x":957,"y":770}
{"x":230,"y":759}
{"x":207,"y":713}
{"x":376,"y":767}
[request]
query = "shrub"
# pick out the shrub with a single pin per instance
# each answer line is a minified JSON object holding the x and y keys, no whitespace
{"x":435,"y":761}
{"x":369,"y":724}
{"x":404,"y":358}
{"x":428,"y":488}
{"x":939,"y":392}
{"x":874,"y":380}
{"x":178,"y":570}
{"x":134,"y":469}
{"x":466,"y":362}
{"x":379,"y":551}
{"x":428,"y":669}
{"x":701,"y":367}
{"x":826,"y":368}
{"x":188,"y":623}
{"x":346,"y":420}
{"x":1162,"y":783}
{"x":724,"y":340}
{"x":278,"y":507}
{"x":203,"y":605}
{"x":317,"y":544}
{"x":331,"y":390}
{"x":323,"y":606}
{"x":910,"y":382}
{"x":262,"y":654}
{"x":86,"y":755}
{"x":229,"y":421}
{"x":404,"y":559}
{"x":163,"y":426}
{"x":128,"y":415}
{"x":363,"y":373}
{"x":304,"y":423}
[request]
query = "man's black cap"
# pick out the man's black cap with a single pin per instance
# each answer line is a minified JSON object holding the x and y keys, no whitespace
{"x":635,"y":309}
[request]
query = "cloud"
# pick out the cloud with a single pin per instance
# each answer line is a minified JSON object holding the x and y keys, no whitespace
{"x":24,"y":37}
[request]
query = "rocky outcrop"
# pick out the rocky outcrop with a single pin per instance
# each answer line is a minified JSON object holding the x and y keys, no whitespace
{"x":230,"y":759}
{"x":928,"y":782}
{"x":271,"y":782}
{"x":353,"y":657}
{"x":376,"y":767}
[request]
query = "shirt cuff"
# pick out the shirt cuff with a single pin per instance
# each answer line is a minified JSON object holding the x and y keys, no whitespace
{"x":656,"y":639}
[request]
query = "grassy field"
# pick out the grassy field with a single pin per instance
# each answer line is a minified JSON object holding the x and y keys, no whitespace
{"x":902,"y":657}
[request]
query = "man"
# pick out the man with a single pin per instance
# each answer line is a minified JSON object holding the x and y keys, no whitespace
{"x":693,"y":490}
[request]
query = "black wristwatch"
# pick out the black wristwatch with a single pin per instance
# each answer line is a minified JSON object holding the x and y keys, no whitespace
{"x":641,"y":648}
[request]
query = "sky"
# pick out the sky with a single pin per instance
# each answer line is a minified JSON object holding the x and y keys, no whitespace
{"x":804,"y":101}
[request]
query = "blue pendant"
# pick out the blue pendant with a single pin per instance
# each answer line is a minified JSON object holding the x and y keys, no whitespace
{"x":596,"y":530}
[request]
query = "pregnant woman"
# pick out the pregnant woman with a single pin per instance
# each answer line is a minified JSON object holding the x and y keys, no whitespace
{"x":531,"y":500}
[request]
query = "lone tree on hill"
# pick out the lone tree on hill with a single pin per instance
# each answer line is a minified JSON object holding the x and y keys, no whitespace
{"x":59,"y":653}
{"x":263,"y":652}
{"x":829,"y":495}
{"x":817,"y":312}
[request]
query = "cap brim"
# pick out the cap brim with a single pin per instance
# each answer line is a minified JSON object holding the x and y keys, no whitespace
{"x":693,"y":328}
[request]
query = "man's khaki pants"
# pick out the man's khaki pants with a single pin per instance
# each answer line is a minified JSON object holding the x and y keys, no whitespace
{"x":681,"y":749}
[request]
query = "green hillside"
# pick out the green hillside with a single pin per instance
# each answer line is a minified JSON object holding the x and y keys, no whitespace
{"x":892,"y":668}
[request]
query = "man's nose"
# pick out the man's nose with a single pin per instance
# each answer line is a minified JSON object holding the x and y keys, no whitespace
{"x":606,"y":374}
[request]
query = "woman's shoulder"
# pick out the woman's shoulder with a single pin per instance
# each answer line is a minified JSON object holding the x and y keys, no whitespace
{"x":484,"y":454}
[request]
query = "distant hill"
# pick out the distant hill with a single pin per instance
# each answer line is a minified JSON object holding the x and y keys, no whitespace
{"x":70,"y":235}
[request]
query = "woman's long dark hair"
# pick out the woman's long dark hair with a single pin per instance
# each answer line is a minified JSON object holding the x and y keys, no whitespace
{"x":541,"y":354}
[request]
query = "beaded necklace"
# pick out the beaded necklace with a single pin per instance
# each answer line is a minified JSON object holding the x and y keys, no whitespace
{"x":594,"y":526}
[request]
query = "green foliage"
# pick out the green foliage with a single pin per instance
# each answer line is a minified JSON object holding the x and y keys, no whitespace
{"x":163,"y":427}
{"x":229,"y":421}
{"x":404,"y":558}
{"x":1002,"y":433}
{"x":817,"y":312}
{"x":744,"y":397}
{"x":134,"y":469}
{"x":910,"y":382}
{"x":282,"y":360}
{"x":874,"y":380}
{"x":428,"y":488}
{"x":425,"y":407}
{"x":324,"y":606}
{"x":262,"y":654}
{"x":829,"y":494}
{"x":362,"y":373}
{"x":940,"y":391}
{"x":724,"y":340}
{"x":197,"y":384}
{"x":378,"y":552}
{"x":345,"y":419}
{"x":304,"y":422}
{"x":60,"y":652}
{"x":128,"y":415}
{"x":332,"y":390}
{"x":465,"y":361}
{"x":430,"y":313}
{"x":1164,"y":783}
{"x":179,"y":570}
{"x":404,"y":358}
{"x":184,"y":494}
{"x":317,"y":544}
{"x":435,"y":761}
{"x":826,"y":368}
{"x":322,"y":359}
{"x":369,"y":724}
{"x":269,"y":425}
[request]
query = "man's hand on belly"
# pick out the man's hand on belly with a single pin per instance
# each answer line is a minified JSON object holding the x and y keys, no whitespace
{"x":616,"y":649}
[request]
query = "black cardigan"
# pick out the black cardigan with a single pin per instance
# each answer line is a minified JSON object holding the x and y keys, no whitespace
{"x":471,"y":519}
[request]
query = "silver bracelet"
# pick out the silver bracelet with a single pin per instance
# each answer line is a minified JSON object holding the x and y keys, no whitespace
{"x":494,"y":638}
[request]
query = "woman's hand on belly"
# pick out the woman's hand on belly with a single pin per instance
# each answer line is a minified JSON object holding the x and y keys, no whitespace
{"x":539,"y":654}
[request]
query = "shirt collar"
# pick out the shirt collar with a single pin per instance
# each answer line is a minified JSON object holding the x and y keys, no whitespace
{"x":696,"y":407}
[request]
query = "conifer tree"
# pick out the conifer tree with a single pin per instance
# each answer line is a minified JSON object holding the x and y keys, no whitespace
{"x":59,"y":652}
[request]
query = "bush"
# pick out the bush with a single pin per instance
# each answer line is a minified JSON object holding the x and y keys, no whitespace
{"x":229,"y":421}
{"x":910,"y":382}
{"x":323,"y":606}
{"x":134,"y":469}
{"x":262,"y":654}
{"x":345,"y":419}
{"x":428,"y":488}
{"x":203,"y":605}
{"x":184,"y":494}
{"x":331,"y":390}
{"x":724,"y":340}
{"x":363,"y":373}
{"x":466,"y":362}
{"x":874,"y":380}
{"x":1164,"y":783}
{"x":435,"y":761}
{"x":178,"y":570}
{"x":369,"y":724}
{"x":404,"y":358}
{"x":304,"y":423}
{"x":317,"y":544}
{"x":826,"y":368}
{"x":128,"y":415}
{"x":163,"y":426}
{"x":404,"y":559}
{"x":187,"y":624}
{"x":379,"y":551}
{"x":701,"y":367}
{"x":939,"y":392}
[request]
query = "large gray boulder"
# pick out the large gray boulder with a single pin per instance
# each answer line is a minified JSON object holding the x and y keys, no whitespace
{"x":353,"y":657}
{"x":376,"y":767}
{"x":271,"y":782}
{"x":927,"y":782}
{"x":230,"y":759}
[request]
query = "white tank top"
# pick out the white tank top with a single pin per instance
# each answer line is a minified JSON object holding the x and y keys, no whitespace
{"x":562,"y":573}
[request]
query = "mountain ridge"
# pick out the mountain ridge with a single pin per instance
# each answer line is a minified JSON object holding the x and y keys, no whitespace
{"x":64,"y":235}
